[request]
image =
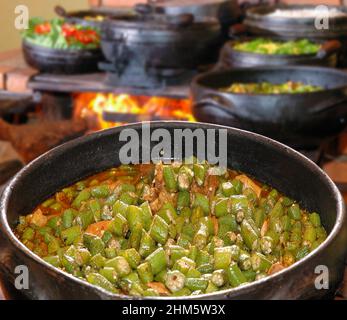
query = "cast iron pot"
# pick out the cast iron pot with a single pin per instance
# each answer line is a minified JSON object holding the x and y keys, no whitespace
{"x":226,"y":11}
{"x":202,"y":8}
{"x":268,"y":161}
{"x":160,"y":41}
{"x":79,"y":17}
{"x":61,"y":61}
{"x":259,"y":23}
{"x":301,"y":120}
{"x":231,"y":58}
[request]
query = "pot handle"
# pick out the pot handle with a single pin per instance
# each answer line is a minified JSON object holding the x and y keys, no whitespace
{"x":60,"y":11}
{"x":216,"y":101}
{"x":325,"y":105}
{"x":244,"y":6}
{"x":237,"y":30}
{"x":328,"y":48}
{"x":181,"y":20}
{"x":120,"y":55}
{"x":143,"y":9}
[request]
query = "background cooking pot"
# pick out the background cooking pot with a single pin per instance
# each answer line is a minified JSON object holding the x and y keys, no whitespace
{"x":226,"y":11}
{"x":258,"y":22}
{"x":268,"y":161}
{"x":61,"y":61}
{"x":91,"y":17}
{"x":229,"y":57}
{"x":160,"y":41}
{"x":300,"y":120}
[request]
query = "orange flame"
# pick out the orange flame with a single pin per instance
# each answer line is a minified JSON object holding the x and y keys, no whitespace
{"x":91,"y":106}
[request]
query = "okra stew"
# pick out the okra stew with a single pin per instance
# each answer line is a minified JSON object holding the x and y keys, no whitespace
{"x":170,"y":230}
{"x":268,"y":46}
{"x":291,"y":87}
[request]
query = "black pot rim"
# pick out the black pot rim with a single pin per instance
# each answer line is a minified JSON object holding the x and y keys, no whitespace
{"x":197,"y":79}
{"x":80,"y":16}
{"x":191,"y":4}
{"x":230,"y":47}
{"x":255,"y":13}
{"x":8,"y":233}
{"x":102,"y":12}
{"x":135,"y":23}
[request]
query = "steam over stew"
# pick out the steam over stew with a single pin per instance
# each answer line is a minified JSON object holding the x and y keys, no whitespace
{"x":150,"y":230}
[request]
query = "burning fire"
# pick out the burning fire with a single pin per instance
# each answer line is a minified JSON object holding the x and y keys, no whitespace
{"x":91,"y":107}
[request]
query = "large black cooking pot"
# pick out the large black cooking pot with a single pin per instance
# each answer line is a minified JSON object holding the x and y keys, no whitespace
{"x":231,"y":58}
{"x":265,"y":159}
{"x":61,"y":61}
{"x":259,"y":23}
{"x":160,"y":41}
{"x":300,"y":120}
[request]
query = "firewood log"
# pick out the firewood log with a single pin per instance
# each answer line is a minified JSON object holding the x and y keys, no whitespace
{"x":32,"y":140}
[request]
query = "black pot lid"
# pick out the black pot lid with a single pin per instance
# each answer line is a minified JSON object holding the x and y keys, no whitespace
{"x":188,"y":3}
{"x":146,"y":17}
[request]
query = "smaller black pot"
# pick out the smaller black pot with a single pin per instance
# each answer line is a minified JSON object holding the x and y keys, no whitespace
{"x":300,"y":120}
{"x":231,"y":58}
{"x":61,"y":61}
{"x":79,"y":17}
{"x":226,"y":11}
{"x":259,"y":23}
{"x":159,"y":41}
